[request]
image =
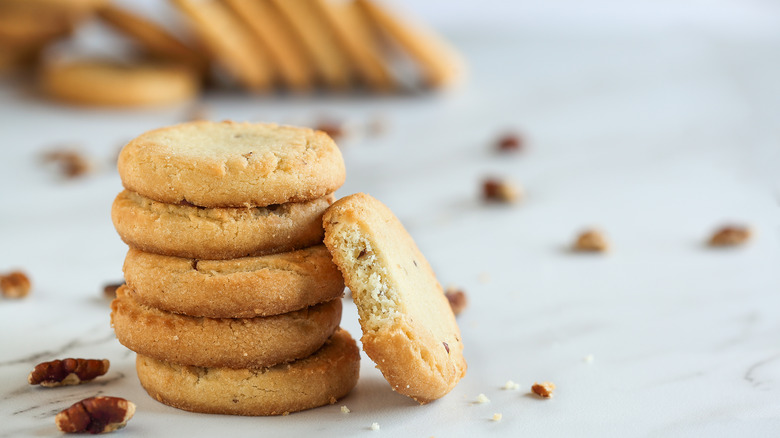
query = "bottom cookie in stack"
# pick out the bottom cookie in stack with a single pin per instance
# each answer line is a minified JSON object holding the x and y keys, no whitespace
{"x":322,"y":378}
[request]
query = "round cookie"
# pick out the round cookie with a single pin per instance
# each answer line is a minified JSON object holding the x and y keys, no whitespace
{"x":317,"y":380}
{"x":409,"y":329}
{"x":222,"y":342}
{"x":238,"y":288}
{"x":107,"y":83}
{"x":229,"y":164}
{"x":217,"y":233}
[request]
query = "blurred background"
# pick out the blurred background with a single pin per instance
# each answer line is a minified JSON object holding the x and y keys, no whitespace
{"x":656,"y":122}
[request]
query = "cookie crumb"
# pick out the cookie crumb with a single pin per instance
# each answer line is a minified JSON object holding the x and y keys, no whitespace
{"x":345,"y":410}
{"x":500,"y":190}
{"x":511,"y":142}
{"x":588,"y":358}
{"x":482,"y":398}
{"x":374,"y":426}
{"x":591,"y":241}
{"x":510,"y":385}
{"x":544,"y":389}
{"x":15,"y":284}
{"x":497,"y":417}
{"x":732,"y":235}
{"x":457,"y":299}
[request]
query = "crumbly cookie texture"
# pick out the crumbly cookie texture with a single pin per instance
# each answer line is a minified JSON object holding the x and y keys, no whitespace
{"x":217,"y":233}
{"x":222,"y":342}
{"x":317,"y":380}
{"x":409,"y":329}
{"x":230,"y":164}
{"x":236,"y":288}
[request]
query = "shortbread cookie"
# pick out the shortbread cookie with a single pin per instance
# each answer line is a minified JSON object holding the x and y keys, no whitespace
{"x":263,"y":20}
{"x":317,"y":380}
{"x":152,"y":37}
{"x":230,"y":164}
{"x":222,"y":342}
{"x":106,"y":83}
{"x":408,"y":327}
{"x":237,"y":288}
{"x":440,"y":63}
{"x":229,"y":42}
{"x":217,"y":233}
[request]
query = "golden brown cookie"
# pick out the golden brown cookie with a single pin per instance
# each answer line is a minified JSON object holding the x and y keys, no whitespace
{"x":244,"y":287}
{"x":317,"y":380}
{"x":152,"y":37}
{"x":217,"y":233}
{"x":284,"y":50}
{"x":222,"y":342}
{"x":440,"y":63}
{"x":350,"y":28}
{"x":409,"y":330}
{"x":106,"y":83}
{"x":318,"y":41}
{"x":231,"y":164}
{"x":229,"y":42}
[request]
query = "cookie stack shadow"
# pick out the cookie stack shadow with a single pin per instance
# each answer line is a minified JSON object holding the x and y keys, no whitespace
{"x":232,"y":303}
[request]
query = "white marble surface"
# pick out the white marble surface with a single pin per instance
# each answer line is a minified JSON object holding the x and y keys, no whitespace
{"x":657,"y":132}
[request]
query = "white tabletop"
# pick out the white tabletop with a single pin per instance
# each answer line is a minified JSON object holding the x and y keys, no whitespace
{"x":656,"y":125}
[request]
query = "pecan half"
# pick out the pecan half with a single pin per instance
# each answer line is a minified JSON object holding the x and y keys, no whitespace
{"x":730,"y":236}
{"x":15,"y":285}
{"x":95,"y":415}
{"x":67,"y":372}
{"x":457,"y":299}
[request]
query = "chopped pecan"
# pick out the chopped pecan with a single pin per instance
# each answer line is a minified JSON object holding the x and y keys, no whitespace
{"x":510,"y":143}
{"x":544,"y":389}
{"x":457,"y":299}
{"x":109,"y":290}
{"x":334,"y":130}
{"x":591,"y":241}
{"x":15,"y":285}
{"x":730,"y":236}
{"x":95,"y":415}
{"x":67,"y":372}
{"x":71,"y":162}
{"x":494,"y":189}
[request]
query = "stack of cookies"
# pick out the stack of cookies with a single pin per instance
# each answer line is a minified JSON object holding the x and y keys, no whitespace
{"x":232,"y":302}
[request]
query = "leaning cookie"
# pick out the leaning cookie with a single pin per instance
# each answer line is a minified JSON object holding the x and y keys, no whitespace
{"x":222,"y":342}
{"x":106,"y":83}
{"x":409,"y":330}
{"x":229,"y":164}
{"x":237,"y":288}
{"x":217,"y":233}
{"x":317,"y":380}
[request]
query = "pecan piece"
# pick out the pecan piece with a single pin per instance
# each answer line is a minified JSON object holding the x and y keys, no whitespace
{"x":510,"y":143}
{"x":544,"y":389}
{"x":95,"y":415}
{"x":457,"y":299}
{"x":67,"y":372}
{"x":15,"y":285}
{"x":334,"y":130}
{"x":72,"y":163}
{"x":109,"y":290}
{"x":730,"y":236}
{"x":591,"y":241}
{"x":501,"y":191}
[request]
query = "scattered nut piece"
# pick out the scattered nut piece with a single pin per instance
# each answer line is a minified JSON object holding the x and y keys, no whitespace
{"x":482,"y":398}
{"x":334,"y":130}
{"x":499,"y":190}
{"x":591,"y":241}
{"x":510,"y":143}
{"x":457,"y":299}
{"x":67,"y":372}
{"x":109,"y":290}
{"x":544,"y":389}
{"x":510,"y":385}
{"x":72,"y":163}
{"x":588,"y":358}
{"x":730,"y":236}
{"x":15,"y":285}
{"x":345,"y":410}
{"x":96,"y":415}
{"x":497,"y":417}
{"x":374,"y":426}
